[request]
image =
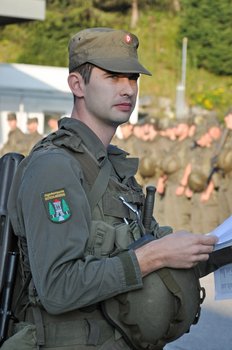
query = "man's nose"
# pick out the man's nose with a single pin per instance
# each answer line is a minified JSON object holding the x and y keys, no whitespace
{"x":128,"y":87}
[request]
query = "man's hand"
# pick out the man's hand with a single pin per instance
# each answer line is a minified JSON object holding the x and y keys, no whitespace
{"x":180,"y":190}
{"x":178,"y":250}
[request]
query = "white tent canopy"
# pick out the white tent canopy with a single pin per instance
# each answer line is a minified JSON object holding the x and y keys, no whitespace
{"x":31,"y":88}
{"x":12,"y":11}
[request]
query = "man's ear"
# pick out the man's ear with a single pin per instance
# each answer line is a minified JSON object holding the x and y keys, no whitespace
{"x":76,"y":84}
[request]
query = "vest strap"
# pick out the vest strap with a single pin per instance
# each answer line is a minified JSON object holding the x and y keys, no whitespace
{"x":97,"y":179}
{"x":100,"y":185}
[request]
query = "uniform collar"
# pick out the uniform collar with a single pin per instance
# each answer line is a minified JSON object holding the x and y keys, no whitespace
{"x":125,"y":167}
{"x":88,"y":137}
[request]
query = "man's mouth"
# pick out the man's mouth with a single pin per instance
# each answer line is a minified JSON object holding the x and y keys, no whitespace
{"x":125,"y":107}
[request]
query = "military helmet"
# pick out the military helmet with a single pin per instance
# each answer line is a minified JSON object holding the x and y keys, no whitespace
{"x":197,"y":181}
{"x":160,"y":312}
{"x":225,"y":160}
{"x":147,"y":166}
{"x":170,"y":164}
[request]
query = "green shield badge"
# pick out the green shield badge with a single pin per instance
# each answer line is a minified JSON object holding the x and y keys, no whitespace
{"x":57,"y":206}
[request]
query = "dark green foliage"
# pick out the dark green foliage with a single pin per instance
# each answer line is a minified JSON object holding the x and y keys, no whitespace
{"x":47,"y":42}
{"x":208,"y":26}
{"x":113,"y":5}
{"x":125,"y":5}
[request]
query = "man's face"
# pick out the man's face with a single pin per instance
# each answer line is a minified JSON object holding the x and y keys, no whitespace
{"x":127,"y":130}
{"x":111,"y":97}
{"x":32,"y":127}
{"x":148,"y":132}
{"x":12,"y":124}
{"x":182,"y":129}
{"x":215,"y":132}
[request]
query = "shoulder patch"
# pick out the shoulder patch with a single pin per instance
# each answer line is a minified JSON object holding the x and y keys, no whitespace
{"x":56,"y":205}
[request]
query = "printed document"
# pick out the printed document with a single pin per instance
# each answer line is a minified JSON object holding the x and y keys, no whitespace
{"x":223,"y":276}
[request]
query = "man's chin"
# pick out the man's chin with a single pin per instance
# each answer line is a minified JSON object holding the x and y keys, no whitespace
{"x":120,"y":121}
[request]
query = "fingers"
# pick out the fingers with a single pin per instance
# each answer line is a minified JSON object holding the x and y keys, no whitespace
{"x":206,"y":248}
{"x":204,"y":239}
{"x":203,"y":257}
{"x":209,"y":239}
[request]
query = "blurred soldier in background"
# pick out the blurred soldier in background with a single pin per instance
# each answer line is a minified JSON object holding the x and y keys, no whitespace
{"x":224,"y":164}
{"x":153,"y":147}
{"x":16,"y":141}
{"x":168,"y":130}
{"x":123,"y":138}
{"x":176,"y":204}
{"x":53,"y":123}
{"x":33,"y":135}
{"x":201,"y":187}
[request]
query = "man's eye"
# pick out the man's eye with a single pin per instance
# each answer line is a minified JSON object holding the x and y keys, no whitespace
{"x":113,"y":76}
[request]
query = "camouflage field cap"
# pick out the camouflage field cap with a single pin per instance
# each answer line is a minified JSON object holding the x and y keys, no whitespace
{"x":11,"y":116}
{"x":32,"y":120}
{"x":106,"y":48}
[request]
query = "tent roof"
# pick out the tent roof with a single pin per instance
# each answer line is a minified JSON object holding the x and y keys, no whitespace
{"x":16,"y":78}
{"x":12,"y":11}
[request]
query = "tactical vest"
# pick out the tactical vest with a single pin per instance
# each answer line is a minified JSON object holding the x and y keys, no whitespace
{"x":169,"y":302}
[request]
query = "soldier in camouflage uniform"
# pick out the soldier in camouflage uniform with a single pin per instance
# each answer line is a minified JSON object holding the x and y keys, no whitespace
{"x":152,"y":147}
{"x":225,"y":170}
{"x":53,"y":123}
{"x":124,"y":139}
{"x":176,"y":204}
{"x":33,"y":135}
{"x":16,"y":138}
{"x":204,"y":198}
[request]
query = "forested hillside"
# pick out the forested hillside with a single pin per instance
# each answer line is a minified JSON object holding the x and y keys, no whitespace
{"x":160,"y":25}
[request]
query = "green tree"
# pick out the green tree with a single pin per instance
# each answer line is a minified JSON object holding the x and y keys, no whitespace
{"x":208,"y":26}
{"x":113,"y":5}
{"x":47,"y":41}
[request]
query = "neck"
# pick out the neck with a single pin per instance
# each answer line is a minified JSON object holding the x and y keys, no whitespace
{"x":104,"y":132}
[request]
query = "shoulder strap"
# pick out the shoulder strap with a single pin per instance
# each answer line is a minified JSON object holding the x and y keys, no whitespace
{"x":100,"y":185}
{"x":96,"y":178}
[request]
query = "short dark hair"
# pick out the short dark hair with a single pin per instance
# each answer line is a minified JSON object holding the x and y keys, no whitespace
{"x":85,"y":71}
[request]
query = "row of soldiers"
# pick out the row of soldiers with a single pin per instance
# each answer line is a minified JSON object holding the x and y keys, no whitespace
{"x":21,"y":142}
{"x":190,"y":164}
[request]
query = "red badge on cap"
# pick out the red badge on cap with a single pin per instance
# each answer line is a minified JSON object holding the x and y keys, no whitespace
{"x":128,"y":39}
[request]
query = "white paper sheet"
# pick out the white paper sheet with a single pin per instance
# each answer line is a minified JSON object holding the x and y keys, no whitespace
{"x":223,"y":276}
{"x":223,"y":282}
{"x":224,"y":234}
